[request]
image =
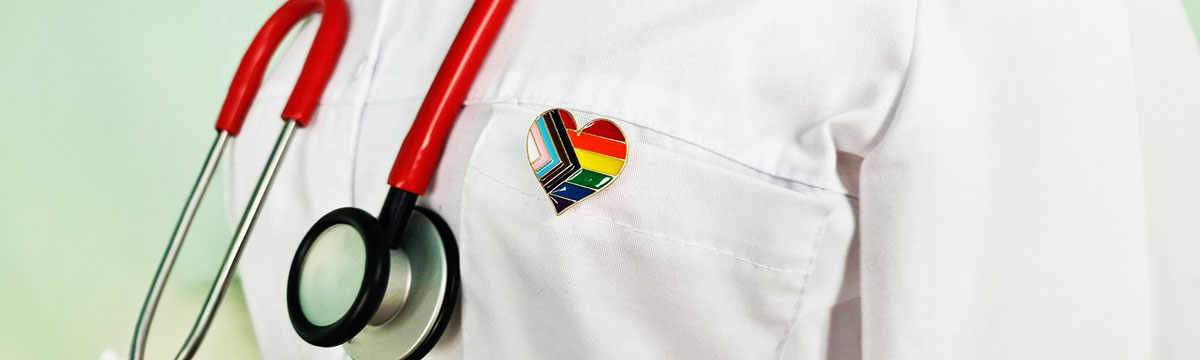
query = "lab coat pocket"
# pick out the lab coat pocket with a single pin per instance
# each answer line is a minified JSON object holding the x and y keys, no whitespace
{"x":676,"y":259}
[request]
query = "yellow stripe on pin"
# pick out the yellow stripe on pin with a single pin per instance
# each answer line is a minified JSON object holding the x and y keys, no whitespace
{"x":599,"y":163}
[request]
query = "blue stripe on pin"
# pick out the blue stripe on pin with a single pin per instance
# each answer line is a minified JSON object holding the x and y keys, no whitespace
{"x":572,"y":191}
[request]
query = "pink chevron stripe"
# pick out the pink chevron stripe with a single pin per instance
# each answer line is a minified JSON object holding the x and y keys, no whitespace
{"x":543,"y":155}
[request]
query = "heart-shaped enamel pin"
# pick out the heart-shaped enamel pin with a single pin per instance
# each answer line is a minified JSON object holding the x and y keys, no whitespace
{"x":572,"y":165}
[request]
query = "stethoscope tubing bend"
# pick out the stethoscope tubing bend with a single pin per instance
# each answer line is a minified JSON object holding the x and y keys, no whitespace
{"x":299,"y":110}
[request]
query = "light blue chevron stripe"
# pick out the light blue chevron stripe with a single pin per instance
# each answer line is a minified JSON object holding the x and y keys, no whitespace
{"x":554,"y":160}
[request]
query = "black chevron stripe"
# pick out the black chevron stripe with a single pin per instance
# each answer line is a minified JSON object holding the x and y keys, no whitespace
{"x":566,"y":152}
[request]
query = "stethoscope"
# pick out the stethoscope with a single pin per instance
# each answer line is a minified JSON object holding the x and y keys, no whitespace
{"x":384,"y":287}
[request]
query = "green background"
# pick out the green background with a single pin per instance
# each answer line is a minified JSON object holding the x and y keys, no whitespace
{"x":109,"y":107}
{"x":1193,"y":10}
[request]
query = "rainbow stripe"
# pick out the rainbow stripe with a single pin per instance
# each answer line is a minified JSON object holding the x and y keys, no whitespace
{"x":571,"y":164}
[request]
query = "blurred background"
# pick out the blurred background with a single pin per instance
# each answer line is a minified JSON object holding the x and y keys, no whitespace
{"x":109,"y":111}
{"x":109,"y":108}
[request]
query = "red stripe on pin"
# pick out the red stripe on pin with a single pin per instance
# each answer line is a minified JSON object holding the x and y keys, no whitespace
{"x":605,"y":129}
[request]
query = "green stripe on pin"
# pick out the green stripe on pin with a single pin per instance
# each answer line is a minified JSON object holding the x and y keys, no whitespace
{"x":590,"y":179}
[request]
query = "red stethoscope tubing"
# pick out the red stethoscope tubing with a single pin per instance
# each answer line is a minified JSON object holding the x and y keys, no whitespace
{"x":318,"y":67}
{"x":422,"y":147}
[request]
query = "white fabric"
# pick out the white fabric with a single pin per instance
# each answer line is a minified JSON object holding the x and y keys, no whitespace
{"x":1167,"y":61}
{"x":996,"y":143}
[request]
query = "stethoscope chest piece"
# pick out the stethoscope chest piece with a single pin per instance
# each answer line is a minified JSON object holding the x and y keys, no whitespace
{"x":385,"y":288}
{"x":380,"y":298}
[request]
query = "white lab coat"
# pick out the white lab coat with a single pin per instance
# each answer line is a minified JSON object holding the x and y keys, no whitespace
{"x":806,"y":180}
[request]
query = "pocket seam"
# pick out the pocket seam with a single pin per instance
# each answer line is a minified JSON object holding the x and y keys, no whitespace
{"x":812,"y":263}
{"x":798,"y":179}
{"x":812,"y":254}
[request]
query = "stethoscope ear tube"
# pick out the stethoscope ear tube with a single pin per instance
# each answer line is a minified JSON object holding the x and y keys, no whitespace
{"x":331,"y":35}
{"x":318,"y":67}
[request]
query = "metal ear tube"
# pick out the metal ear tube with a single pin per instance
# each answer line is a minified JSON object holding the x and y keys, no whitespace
{"x":318,"y":68}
